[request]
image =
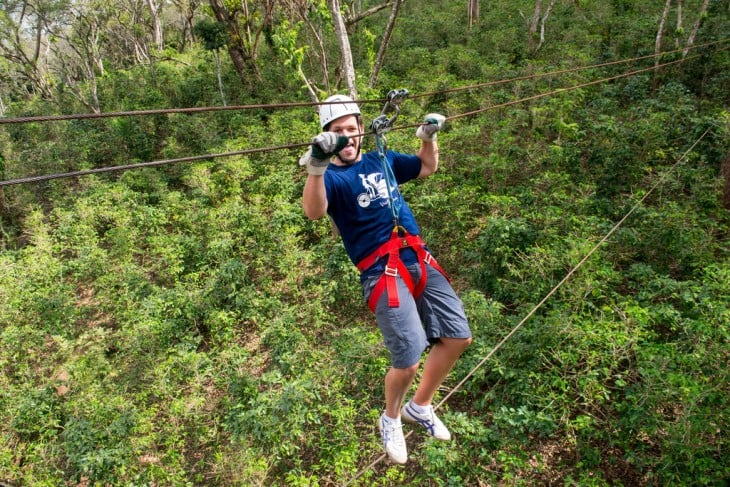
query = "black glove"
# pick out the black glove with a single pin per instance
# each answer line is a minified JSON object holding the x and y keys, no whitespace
{"x":324,"y":146}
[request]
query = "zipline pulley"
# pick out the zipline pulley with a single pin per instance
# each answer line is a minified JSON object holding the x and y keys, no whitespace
{"x":384,"y":123}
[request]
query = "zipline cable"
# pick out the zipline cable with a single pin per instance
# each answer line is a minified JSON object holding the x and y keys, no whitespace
{"x":33,"y":179}
{"x":504,"y":340}
{"x":162,"y":111}
{"x":564,"y":71}
{"x":48,"y":177}
{"x":558,"y":91}
{"x":534,"y":310}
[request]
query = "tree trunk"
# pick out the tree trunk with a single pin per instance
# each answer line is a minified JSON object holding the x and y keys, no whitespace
{"x":660,"y":31}
{"x":538,"y":19}
{"x":156,"y":25}
{"x":543,"y":21}
{"x":473,"y":12}
{"x":679,"y":23}
{"x":384,"y":44}
{"x":693,"y":35}
{"x":532,"y":26}
{"x":235,"y":49}
{"x":217,"y":56}
{"x":347,"y":65}
{"x":725,"y":173}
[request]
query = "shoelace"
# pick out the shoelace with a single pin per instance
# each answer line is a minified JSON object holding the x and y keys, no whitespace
{"x":389,"y":429}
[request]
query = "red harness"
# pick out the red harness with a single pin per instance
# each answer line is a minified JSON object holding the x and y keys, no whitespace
{"x":394,"y":266}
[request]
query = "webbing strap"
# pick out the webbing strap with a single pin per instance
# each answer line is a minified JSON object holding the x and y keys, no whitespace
{"x":391,"y":185}
{"x":396,"y":242}
{"x":394,"y":266}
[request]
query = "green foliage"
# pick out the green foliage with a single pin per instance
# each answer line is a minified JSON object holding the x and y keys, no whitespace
{"x":212,"y":33}
{"x":187,"y":325}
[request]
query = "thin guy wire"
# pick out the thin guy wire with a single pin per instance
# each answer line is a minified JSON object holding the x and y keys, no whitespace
{"x":529,"y":315}
{"x":534,"y":310}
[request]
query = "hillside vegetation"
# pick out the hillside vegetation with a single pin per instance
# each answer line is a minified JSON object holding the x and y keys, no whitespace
{"x":187,"y":325}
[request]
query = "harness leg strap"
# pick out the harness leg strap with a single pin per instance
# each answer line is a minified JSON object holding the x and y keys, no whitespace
{"x":394,"y":267}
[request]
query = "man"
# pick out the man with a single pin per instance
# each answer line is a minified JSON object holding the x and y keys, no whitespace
{"x":414,"y":304}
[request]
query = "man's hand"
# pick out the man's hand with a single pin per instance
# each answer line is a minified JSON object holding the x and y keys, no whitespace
{"x":323,"y":147}
{"x":432,"y":123}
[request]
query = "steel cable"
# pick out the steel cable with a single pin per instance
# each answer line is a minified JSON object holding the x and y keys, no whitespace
{"x":162,"y":111}
{"x":124,"y":167}
{"x":539,"y":305}
{"x":504,"y":340}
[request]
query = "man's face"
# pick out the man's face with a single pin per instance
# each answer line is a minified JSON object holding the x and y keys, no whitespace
{"x":349,"y":127}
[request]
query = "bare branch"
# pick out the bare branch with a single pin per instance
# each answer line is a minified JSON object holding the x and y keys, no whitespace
{"x":350,"y":21}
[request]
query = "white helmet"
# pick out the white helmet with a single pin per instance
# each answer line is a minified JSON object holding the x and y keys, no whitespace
{"x":328,"y":113}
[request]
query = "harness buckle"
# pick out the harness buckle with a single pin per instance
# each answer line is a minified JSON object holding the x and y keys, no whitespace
{"x":428,"y":258}
{"x":391,"y":271}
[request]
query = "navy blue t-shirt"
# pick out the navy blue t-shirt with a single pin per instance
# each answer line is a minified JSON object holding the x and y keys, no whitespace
{"x":357,"y":200}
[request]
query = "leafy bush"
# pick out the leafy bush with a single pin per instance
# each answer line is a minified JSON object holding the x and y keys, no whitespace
{"x":187,"y":325}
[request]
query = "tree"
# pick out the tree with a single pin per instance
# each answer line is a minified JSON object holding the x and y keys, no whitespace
{"x":155,"y":14}
{"x":384,"y":43}
{"x":245,"y":22}
{"x":304,"y":37}
{"x":187,"y":10}
{"x":696,"y":27}
{"x":660,"y":31}
{"x":79,"y":52}
{"x":213,"y":36}
{"x":679,"y":30}
{"x":473,"y":12}
{"x":348,"y":66}
{"x":56,"y":47}
{"x":538,"y":18}
{"x":24,"y":29}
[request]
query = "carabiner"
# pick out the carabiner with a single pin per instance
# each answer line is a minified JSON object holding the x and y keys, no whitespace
{"x":383,"y":123}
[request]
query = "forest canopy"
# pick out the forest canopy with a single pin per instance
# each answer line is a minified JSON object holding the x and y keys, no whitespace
{"x":169,"y":316}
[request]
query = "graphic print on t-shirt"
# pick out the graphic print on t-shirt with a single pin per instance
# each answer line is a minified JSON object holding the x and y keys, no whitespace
{"x":376,"y":189}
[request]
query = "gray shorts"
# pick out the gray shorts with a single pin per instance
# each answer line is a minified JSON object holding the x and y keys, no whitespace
{"x":418,"y":323}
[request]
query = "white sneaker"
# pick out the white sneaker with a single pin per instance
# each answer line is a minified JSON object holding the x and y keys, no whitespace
{"x":428,"y":420}
{"x":393,"y":440}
